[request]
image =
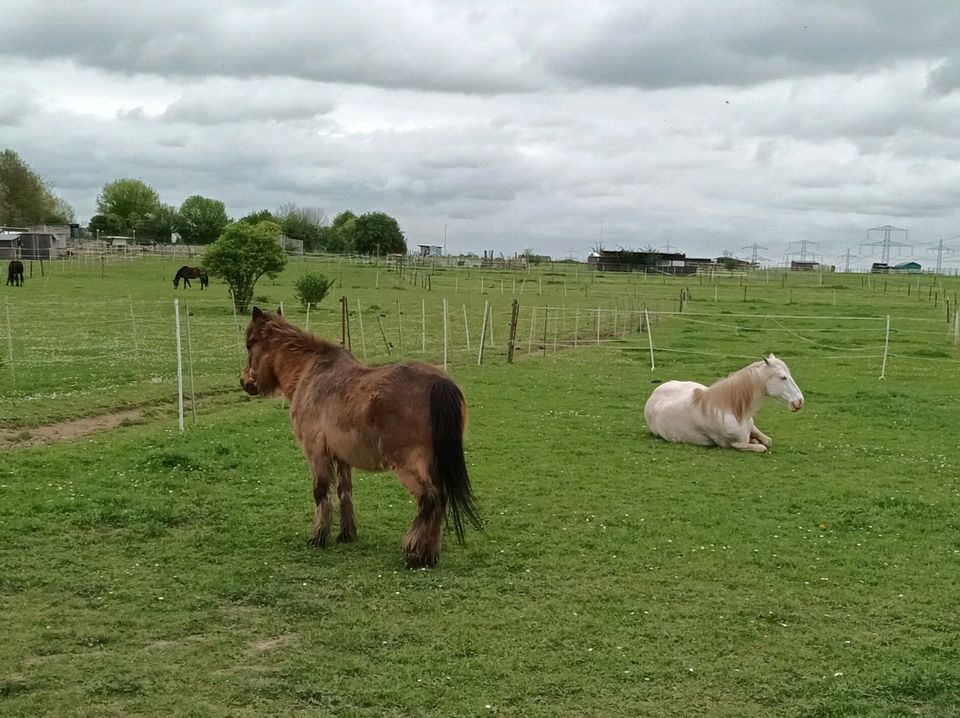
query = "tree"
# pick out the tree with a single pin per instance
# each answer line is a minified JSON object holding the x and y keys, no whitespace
{"x":264,"y":215}
{"x":344,"y":219}
{"x":25,"y":198}
{"x":243,"y":254}
{"x":201,"y":220}
{"x":303,"y":223}
{"x":378,"y":233}
{"x":128,"y":206}
{"x":161,"y":224}
{"x":341,"y":235}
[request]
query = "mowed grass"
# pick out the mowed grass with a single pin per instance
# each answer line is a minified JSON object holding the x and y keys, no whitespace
{"x":147,"y":572}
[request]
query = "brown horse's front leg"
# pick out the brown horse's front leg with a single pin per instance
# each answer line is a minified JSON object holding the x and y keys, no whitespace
{"x":348,"y":523}
{"x":322,"y":474}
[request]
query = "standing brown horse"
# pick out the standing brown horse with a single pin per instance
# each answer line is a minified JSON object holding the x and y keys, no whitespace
{"x":187,"y":273}
{"x":15,"y":273}
{"x":407,"y":417}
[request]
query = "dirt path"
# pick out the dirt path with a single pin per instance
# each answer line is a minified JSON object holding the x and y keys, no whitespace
{"x":65,"y":430}
{"x":86,"y":425}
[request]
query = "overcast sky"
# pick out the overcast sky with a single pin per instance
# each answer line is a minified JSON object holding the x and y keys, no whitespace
{"x":699,"y":125}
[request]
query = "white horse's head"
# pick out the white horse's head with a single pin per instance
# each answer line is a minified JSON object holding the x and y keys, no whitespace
{"x":780,"y":384}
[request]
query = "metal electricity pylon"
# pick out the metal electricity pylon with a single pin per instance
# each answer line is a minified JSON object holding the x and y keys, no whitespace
{"x":886,"y":243}
{"x":805,"y":250}
{"x":667,"y":247}
{"x":846,"y":257}
{"x":940,"y":249}
{"x":755,"y":257}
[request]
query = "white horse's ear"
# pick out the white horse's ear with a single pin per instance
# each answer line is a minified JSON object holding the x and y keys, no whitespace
{"x":766,"y":359}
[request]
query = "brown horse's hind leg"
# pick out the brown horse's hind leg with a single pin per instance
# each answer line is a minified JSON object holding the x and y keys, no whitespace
{"x":348,"y":524}
{"x":421,"y":545}
{"x":322,"y":474}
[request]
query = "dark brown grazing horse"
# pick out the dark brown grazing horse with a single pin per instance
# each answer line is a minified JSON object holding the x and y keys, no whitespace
{"x":407,"y":417}
{"x":15,"y":273}
{"x":187,"y":273}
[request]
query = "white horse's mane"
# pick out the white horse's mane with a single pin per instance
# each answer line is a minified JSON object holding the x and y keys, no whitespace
{"x":737,"y":393}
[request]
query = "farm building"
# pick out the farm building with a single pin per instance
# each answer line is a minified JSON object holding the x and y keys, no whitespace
{"x":625,"y":260}
{"x":430,"y":250}
{"x":907,"y":267}
{"x":28,"y":245}
{"x":798,"y":266}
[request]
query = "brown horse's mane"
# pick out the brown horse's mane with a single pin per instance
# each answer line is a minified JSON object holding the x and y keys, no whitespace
{"x":738,"y":392}
{"x":289,"y":352}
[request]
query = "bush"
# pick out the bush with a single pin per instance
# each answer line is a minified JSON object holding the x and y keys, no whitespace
{"x":311,"y":288}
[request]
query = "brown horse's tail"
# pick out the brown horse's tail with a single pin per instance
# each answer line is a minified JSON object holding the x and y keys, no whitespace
{"x":449,"y":470}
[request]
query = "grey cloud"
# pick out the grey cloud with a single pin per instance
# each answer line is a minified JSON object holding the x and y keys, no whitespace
{"x":679,"y":44}
{"x":848,"y":124}
{"x":18,"y":102}
{"x":420,"y":47}
{"x":944,"y":78}
{"x":249,"y":102}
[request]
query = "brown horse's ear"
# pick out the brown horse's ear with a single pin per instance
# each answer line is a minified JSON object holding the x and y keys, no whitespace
{"x":257,"y":312}
{"x":279,"y":311}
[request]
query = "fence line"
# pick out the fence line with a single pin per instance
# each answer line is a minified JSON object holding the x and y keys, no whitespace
{"x":126,"y":354}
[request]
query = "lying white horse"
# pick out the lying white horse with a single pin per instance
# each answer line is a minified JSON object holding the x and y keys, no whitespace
{"x":721,"y":414}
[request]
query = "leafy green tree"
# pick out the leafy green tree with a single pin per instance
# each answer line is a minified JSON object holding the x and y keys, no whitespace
{"x":345,"y":218}
{"x":201,"y":220}
{"x":25,"y":197}
{"x":303,"y":223}
{"x":243,"y":254}
{"x":98,"y":225}
{"x":264,"y":215}
{"x":129,"y":206}
{"x":341,"y":236}
{"x":159,"y":224}
{"x":378,"y":233}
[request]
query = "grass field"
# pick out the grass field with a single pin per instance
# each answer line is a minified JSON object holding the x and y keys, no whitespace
{"x":148,"y":572}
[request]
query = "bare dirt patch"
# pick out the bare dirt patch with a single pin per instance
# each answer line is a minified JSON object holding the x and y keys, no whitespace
{"x":66,"y":430}
{"x":83,"y":426}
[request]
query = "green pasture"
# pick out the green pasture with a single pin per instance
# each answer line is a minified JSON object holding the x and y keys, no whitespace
{"x":148,"y":572}
{"x":88,"y":337}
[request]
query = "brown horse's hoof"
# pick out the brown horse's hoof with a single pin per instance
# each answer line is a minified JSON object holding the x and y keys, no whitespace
{"x":346,"y":537}
{"x":319,"y":540}
{"x":415,"y":560}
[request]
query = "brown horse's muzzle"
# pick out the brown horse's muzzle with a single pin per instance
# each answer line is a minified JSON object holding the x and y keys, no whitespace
{"x":248,"y":383}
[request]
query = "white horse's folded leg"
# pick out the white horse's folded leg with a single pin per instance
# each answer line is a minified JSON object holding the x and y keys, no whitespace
{"x":755,"y":433}
{"x":747,"y":446}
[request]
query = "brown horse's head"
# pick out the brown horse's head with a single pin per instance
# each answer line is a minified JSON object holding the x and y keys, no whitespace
{"x":176,"y":281}
{"x":259,"y":377}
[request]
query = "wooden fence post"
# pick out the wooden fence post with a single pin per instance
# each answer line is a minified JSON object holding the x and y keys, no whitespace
{"x":511,"y":343}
